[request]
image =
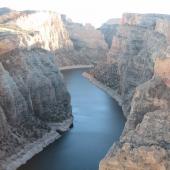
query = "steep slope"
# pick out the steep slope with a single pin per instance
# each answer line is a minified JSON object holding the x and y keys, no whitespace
{"x":138,"y":71}
{"x":34,"y":101}
{"x":132,"y":54}
{"x":32,"y":95}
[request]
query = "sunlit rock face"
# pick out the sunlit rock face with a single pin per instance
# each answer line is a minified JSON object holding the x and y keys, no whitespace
{"x":138,"y":70}
{"x":141,"y":158}
{"x":32,"y":94}
{"x":51,"y":33}
{"x":37,"y":29}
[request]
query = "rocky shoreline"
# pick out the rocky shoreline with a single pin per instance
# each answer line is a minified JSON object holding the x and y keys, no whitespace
{"x":100,"y":85}
{"x":30,"y":150}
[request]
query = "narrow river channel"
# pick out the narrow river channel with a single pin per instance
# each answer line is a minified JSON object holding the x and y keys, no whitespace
{"x":98,"y":122}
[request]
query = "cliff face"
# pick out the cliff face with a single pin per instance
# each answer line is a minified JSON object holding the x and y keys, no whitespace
{"x":138,"y":71}
{"x":109,"y":30}
{"x":132,"y":54}
{"x":35,"y":29}
{"x":33,"y":97}
{"x":144,"y":143}
{"x":89,"y":46}
{"x":72,"y":43}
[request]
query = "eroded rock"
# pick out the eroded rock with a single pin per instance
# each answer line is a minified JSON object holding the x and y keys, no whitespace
{"x":139,"y":60}
{"x":32,"y":95}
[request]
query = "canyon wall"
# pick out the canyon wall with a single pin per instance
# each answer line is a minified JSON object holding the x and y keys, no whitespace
{"x":34,"y":100}
{"x":138,"y":71}
{"x":89,"y":46}
{"x":33,"y":97}
{"x":72,"y":43}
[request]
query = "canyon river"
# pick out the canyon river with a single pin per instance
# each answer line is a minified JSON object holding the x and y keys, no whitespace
{"x":98,"y":123}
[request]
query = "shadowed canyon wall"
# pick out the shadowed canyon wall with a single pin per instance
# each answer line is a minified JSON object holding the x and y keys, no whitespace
{"x":33,"y":96}
{"x":138,"y":71}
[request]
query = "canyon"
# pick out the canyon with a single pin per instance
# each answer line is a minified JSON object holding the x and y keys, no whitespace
{"x":131,"y":59}
{"x":138,"y":72}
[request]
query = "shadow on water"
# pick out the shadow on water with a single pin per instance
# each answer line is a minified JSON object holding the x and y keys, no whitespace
{"x":98,"y":122}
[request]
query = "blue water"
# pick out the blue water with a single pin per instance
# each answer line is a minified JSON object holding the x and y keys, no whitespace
{"x":98,"y":122}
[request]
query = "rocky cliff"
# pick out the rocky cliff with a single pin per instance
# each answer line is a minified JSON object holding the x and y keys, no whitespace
{"x":32,"y":95}
{"x":89,"y":46}
{"x":33,"y":98}
{"x":72,"y":43}
{"x":40,"y":29}
{"x":138,"y":71}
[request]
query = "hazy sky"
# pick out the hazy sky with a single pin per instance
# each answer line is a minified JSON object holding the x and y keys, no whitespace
{"x":92,"y":11}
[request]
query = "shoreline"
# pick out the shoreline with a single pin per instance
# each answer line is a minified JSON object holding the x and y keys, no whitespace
{"x":112,"y":94}
{"x":75,"y":67}
{"x":106,"y":89}
{"x":31,"y":149}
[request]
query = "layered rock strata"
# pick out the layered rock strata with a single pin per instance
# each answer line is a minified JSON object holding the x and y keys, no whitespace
{"x":34,"y":101}
{"x":72,"y":43}
{"x":32,"y":95}
{"x":138,"y":71}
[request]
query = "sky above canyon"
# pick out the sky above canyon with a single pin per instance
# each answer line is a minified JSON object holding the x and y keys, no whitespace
{"x":95,"y":12}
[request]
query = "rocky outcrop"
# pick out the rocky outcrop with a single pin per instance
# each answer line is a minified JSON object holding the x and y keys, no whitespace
{"x":137,"y":70}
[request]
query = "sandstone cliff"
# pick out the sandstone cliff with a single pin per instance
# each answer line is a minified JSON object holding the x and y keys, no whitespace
{"x":138,"y":70}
